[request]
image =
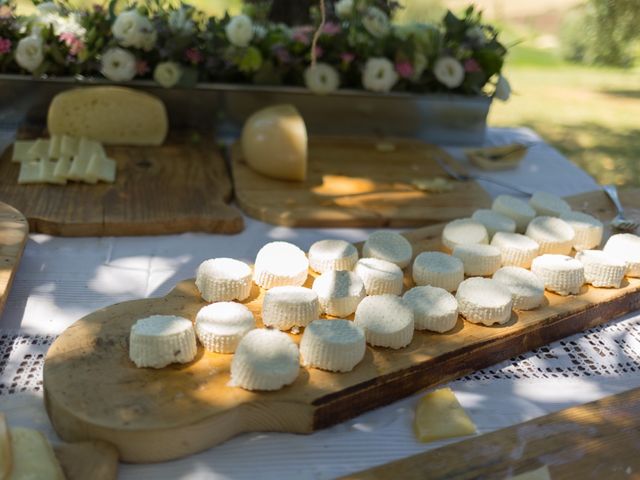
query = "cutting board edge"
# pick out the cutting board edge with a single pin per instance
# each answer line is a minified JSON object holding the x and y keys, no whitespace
{"x":17,"y":216}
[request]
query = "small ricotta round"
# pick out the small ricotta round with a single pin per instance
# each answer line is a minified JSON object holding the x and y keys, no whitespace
{"x":517,"y":250}
{"x":626,"y":247}
{"x":516,"y":209}
{"x":265,"y":360}
{"x":478,"y":260}
{"x":588,"y":230}
{"x":387,"y":321}
{"x":552,"y":234}
{"x":463,"y":232}
{"x":438,"y":270}
{"x":561,"y":274}
{"x":160,"y":340}
{"x":433,"y":308}
{"x":482,"y":300}
{"x":280,"y":263}
{"x":289,"y":307}
{"x":602,"y":269}
{"x":333,"y":345}
{"x":388,"y":246}
{"x":332,"y":255}
{"x":548,"y":205}
{"x":220,"y":326}
{"x":223,"y":279}
{"x":379,"y":276}
{"x":494,"y":221}
{"x":339,"y":292}
{"x":526,"y":288}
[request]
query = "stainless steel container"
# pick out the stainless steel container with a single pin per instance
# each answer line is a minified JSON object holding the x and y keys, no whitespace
{"x":436,"y":118}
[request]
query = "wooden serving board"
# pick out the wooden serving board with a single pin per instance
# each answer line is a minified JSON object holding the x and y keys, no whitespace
{"x":93,"y":391}
{"x":598,"y":440}
{"x":352,"y":183}
{"x":14,"y":231}
{"x":180,"y":186}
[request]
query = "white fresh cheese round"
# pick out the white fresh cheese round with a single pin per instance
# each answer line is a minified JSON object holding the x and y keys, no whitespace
{"x":333,"y":345}
{"x":602,"y":269}
{"x":280,"y":263}
{"x":220,"y":326}
{"x":339,"y":292}
{"x":379,"y":276}
{"x":517,"y":250}
{"x":274,"y":142}
{"x":438,"y":270}
{"x":290,"y":307}
{"x":478,"y":260}
{"x":433,"y":308}
{"x":462,"y":232}
{"x":526,"y":288}
{"x":223,"y":279}
{"x":588,"y":229}
{"x":387,"y":321}
{"x":625,"y":246}
{"x":388,"y":246}
{"x":332,"y":255}
{"x":552,"y":234}
{"x":265,"y":360}
{"x":548,"y":205}
{"x":482,"y":300}
{"x":159,"y":340}
{"x":561,"y":274}
{"x":494,"y":221}
{"x":516,"y":209}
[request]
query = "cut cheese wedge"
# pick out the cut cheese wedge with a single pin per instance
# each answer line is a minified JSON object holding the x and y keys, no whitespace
{"x":33,"y":457}
{"x":21,"y":149}
{"x":439,"y":415}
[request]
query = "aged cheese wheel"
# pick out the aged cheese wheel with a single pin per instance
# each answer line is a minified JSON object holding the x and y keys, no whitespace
{"x":274,"y":143}
{"x":112,"y":115}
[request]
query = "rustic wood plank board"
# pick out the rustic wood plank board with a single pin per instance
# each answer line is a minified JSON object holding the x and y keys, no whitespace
{"x":93,"y":391}
{"x":593,"y":441}
{"x":352,"y":183}
{"x":180,"y":186}
{"x":14,"y":231}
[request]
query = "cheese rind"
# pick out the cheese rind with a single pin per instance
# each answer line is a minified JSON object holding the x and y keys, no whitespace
{"x":482,"y":300}
{"x":561,"y":274}
{"x":159,"y":340}
{"x":433,"y":308}
{"x":333,"y":345}
{"x":438,"y":270}
{"x":439,"y":416}
{"x":387,"y":321}
{"x":32,"y":456}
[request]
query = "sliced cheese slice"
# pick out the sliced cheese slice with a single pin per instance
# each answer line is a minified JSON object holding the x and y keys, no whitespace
{"x":21,"y":149}
{"x":33,"y":457}
{"x":69,"y":146}
{"x":439,"y":415}
{"x":29,"y":173}
{"x":47,"y":173}
{"x":62,"y":167}
{"x":55,"y":142}
{"x":39,"y":149}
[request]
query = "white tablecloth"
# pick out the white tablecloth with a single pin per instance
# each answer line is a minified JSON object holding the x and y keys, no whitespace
{"x":62,"y":279}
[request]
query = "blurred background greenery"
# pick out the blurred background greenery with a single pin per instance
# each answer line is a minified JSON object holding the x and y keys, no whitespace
{"x":574,"y":69}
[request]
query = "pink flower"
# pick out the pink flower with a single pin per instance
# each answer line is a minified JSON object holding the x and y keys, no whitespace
{"x":194,"y":56}
{"x":74,"y":43}
{"x":142,"y":68}
{"x":331,"y":28}
{"x":302,"y":34}
{"x":471,"y":65}
{"x":347,"y":57}
{"x":404,"y":69}
{"x":5,"y":45}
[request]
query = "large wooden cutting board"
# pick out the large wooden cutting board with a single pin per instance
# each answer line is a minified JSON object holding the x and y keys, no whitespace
{"x":14,"y":231}
{"x":93,"y":391}
{"x":595,"y":441}
{"x":353,"y":183}
{"x":178,"y":187}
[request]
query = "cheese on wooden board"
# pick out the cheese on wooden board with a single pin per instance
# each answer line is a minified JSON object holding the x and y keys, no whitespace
{"x":55,"y":143}
{"x":333,"y":345}
{"x":561,"y":274}
{"x":602,"y":269}
{"x":552,"y":234}
{"x":482,"y":300}
{"x":101,"y":169}
{"x":47,"y":172}
{"x":439,"y":415}
{"x":223,"y":279}
{"x":515,"y":208}
{"x":387,"y":321}
{"x":274,"y":143}
{"x":221,"y":325}
{"x":589,"y":230}
{"x":626,"y":247}
{"x":290,"y":307}
{"x":494,"y":221}
{"x":379,"y":276}
{"x":548,"y":205}
{"x":21,"y":150}
{"x":39,"y":149}
{"x":69,"y":146}
{"x":33,"y":457}
{"x":516,"y":249}
{"x":62,"y":167}
{"x":389,"y":246}
{"x":526,"y":288}
{"x":464,"y":231}
{"x":332,"y":255}
{"x":29,"y":173}
{"x":160,"y":340}
{"x":6,"y":455}
{"x":433,"y":308}
{"x":280,"y":263}
{"x":438,"y":270}
{"x":478,"y":260}
{"x":339,"y":292}
{"x":112,"y":115}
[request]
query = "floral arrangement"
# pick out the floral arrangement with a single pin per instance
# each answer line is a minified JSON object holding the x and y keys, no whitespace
{"x":356,"y":46}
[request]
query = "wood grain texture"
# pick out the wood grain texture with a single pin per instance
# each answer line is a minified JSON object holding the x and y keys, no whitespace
{"x":351,"y":183}
{"x":598,"y":440}
{"x":180,"y":186}
{"x":93,"y":391}
{"x":14,"y":231}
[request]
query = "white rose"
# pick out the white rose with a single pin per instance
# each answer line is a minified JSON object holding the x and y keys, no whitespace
{"x":321,"y":78}
{"x":376,"y":22}
{"x":449,"y":72}
{"x":379,"y":75}
{"x":134,"y":30}
{"x":167,"y":74}
{"x":180,"y":23}
{"x":118,"y":64}
{"x":503,"y":89}
{"x":239,"y":30}
{"x":344,"y":8}
{"x":29,"y":53}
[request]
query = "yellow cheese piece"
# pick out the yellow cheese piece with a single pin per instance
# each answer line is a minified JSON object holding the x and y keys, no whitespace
{"x":47,"y":173}
{"x":29,"y":173}
{"x":39,"y":149}
{"x":101,"y":168}
{"x":33,"y":457}
{"x":55,"y":142}
{"x":439,"y":415}
{"x":6,"y":455}
{"x":21,"y":150}
{"x":274,"y":143}
{"x":78,"y":167}
{"x":69,"y":146}
{"x":80,"y":163}
{"x":62,"y":167}
{"x":112,"y":115}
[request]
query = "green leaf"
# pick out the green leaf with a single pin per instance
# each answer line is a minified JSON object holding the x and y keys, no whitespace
{"x":490,"y":60}
{"x":251,"y":60}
